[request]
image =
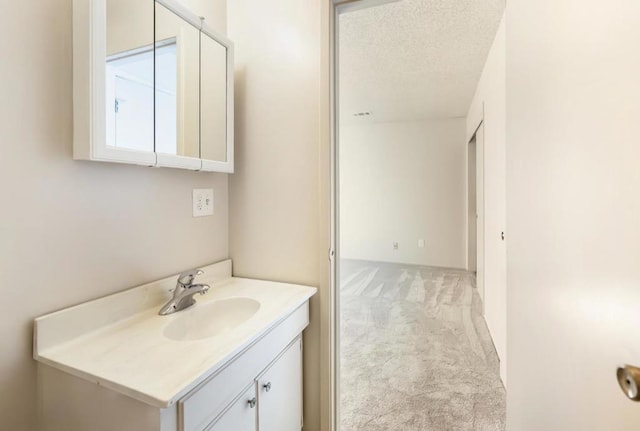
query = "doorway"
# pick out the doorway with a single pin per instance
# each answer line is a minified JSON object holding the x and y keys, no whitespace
{"x":411,"y":347}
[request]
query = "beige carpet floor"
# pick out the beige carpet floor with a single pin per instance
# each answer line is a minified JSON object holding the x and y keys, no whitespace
{"x":415,"y":351}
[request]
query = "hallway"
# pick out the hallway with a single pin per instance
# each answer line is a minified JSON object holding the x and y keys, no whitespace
{"x":415,"y":351}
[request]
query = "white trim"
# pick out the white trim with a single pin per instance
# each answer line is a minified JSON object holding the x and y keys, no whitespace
{"x":216,"y":166}
{"x":165,"y":160}
{"x":334,"y":277}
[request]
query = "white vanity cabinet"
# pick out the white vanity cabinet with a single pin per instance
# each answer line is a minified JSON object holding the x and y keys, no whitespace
{"x":112,"y":365}
{"x":260,"y":389}
{"x":273,"y":402}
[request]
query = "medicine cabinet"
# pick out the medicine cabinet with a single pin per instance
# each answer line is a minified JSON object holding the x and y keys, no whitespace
{"x":153,"y":86}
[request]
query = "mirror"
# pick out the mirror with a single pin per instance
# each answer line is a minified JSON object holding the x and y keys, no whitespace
{"x":213,"y":101}
{"x":129,"y":75}
{"x":177,"y":85}
{"x":153,"y":86}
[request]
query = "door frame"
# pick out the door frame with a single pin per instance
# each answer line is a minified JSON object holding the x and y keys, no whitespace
{"x":336,"y":8}
{"x":472,"y":196}
{"x":480,"y":210}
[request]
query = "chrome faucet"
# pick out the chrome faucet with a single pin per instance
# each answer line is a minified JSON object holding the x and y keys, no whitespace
{"x":184,"y":292}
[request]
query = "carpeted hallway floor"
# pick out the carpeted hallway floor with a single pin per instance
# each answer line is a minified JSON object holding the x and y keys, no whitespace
{"x":415,"y":351}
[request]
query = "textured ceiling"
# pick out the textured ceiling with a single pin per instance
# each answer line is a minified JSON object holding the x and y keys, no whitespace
{"x":414,"y":59}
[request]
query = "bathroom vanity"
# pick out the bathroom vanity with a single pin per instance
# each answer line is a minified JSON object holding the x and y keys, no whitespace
{"x":231,"y":362}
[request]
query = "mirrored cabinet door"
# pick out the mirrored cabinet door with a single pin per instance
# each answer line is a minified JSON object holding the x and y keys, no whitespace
{"x":213,"y":92}
{"x":177,"y":99}
{"x":216,"y":102}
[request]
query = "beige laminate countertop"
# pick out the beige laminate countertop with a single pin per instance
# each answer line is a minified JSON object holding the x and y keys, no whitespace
{"x":129,"y":353}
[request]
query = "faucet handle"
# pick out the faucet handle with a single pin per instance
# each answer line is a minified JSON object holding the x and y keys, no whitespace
{"x":186,"y":278}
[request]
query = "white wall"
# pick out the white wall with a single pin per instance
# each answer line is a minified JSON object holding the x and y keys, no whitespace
{"x":489,"y":102}
{"x":73,"y":231}
{"x":573,"y":212}
{"x":400,"y":182}
{"x":275,"y":199}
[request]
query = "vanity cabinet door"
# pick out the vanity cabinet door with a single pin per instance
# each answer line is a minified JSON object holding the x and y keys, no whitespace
{"x":241,"y":416}
{"x":280,"y":392}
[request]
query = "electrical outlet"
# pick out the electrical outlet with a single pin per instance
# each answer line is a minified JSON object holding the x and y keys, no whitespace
{"x":395,"y":245}
{"x":420,"y":243}
{"x":202,"y":202}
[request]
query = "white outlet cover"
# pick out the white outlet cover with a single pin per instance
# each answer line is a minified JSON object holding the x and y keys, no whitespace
{"x":202,"y":202}
{"x":421,"y":243}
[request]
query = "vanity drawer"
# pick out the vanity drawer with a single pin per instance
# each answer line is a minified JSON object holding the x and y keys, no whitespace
{"x":207,"y":401}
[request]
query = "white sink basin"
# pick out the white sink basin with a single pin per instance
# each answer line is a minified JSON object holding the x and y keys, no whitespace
{"x":211,"y":319}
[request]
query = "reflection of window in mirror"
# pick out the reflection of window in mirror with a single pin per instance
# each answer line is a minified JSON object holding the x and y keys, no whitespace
{"x":130,"y":103}
{"x":129,"y":88}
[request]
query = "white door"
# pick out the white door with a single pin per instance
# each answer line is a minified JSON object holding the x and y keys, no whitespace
{"x":480,"y":211}
{"x":241,"y":416}
{"x":573,"y":213}
{"x":280,"y":392}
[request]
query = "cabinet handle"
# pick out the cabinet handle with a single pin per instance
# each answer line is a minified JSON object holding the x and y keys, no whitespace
{"x":252,"y":402}
{"x":267,"y":387}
